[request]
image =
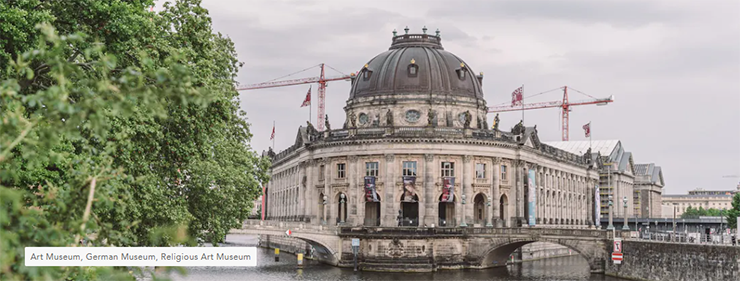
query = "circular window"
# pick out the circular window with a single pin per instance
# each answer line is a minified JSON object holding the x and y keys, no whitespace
{"x":363,"y":118}
{"x":412,"y":116}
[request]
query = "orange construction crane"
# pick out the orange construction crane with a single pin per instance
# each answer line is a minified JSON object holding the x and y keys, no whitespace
{"x":565,"y":104}
{"x":322,"y":88}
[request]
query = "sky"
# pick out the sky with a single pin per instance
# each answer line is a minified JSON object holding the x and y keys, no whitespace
{"x":672,"y":66}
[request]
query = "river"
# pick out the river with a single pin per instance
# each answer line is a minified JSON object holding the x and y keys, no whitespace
{"x":565,"y":268}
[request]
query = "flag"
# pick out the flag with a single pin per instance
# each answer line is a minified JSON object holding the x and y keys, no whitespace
{"x":307,"y":100}
{"x":516,"y":96}
{"x":587,"y":129}
{"x":273,"y":133}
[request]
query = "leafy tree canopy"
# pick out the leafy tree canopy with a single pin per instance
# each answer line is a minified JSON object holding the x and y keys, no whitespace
{"x":119,"y":127}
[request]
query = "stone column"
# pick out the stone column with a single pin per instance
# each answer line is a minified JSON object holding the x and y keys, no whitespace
{"x":467,"y":185}
{"x":496,"y":192}
{"x":301,"y":190}
{"x":430,"y":194}
{"x":391,"y":206}
{"x":310,"y":204}
{"x":353,"y":200}
{"x":520,"y":200}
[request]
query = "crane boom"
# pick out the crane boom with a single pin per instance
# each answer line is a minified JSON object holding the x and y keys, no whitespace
{"x":275,"y":84}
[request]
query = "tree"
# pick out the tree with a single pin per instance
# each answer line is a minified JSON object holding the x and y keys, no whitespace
{"x":734,"y":212}
{"x":134,"y":110}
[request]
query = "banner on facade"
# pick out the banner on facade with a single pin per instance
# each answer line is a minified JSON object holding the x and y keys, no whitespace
{"x":448,"y":190}
{"x":532,"y":200}
{"x":409,"y":189}
{"x":597,"y":206}
{"x":371,"y":195}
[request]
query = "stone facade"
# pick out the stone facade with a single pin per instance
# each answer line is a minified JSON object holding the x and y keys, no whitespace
{"x":707,"y":199}
{"x":648,"y":191}
{"x":655,"y":261}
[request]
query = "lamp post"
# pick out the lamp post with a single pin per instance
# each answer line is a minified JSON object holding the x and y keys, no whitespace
{"x":463,"y":224}
{"x":323,"y":220}
{"x":488,"y":217}
{"x":625,"y":226}
{"x":611,"y":225}
{"x":342,"y":208}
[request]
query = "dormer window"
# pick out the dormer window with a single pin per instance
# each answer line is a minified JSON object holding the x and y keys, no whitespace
{"x":366,"y":74}
{"x":461,"y":71}
{"x":413,"y":68}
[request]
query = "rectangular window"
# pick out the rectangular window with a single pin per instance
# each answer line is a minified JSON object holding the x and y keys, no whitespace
{"x":448,"y":169}
{"x":371,"y":169}
{"x":480,"y":170}
{"x":409,"y":168}
{"x":321,"y":172}
{"x":340,"y":170}
{"x":503,"y":173}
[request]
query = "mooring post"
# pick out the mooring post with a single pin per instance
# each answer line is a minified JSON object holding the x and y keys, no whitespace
{"x":300,"y":260}
{"x":277,"y":254}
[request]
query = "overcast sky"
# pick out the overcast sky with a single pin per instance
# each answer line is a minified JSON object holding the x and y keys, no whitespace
{"x":672,"y":66}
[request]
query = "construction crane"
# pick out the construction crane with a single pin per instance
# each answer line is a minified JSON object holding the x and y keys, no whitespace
{"x":321,"y":79}
{"x":565,"y":104}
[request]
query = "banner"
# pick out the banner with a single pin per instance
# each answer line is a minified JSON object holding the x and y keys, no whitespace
{"x":597,"y":206}
{"x":532,"y":200}
{"x":409,"y":189}
{"x":448,"y":190}
{"x":371,"y":195}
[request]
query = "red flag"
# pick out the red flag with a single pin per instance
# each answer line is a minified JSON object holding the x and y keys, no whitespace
{"x":307,"y":100}
{"x":587,"y":129}
{"x":516,"y":96}
{"x":273,"y":133}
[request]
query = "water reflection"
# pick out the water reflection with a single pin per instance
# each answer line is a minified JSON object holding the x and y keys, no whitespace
{"x":566,"y":268}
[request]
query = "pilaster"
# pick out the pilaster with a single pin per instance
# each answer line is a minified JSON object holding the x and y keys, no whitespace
{"x":496,"y":191}
{"x":389,"y":186}
{"x":430,"y":196}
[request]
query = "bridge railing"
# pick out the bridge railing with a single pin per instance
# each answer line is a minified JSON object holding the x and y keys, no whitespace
{"x":464,"y":231}
{"x":272,"y":224}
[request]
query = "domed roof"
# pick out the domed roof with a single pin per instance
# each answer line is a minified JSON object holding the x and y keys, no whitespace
{"x":417,"y":64}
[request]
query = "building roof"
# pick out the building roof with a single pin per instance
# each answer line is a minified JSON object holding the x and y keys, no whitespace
{"x":605,"y":147}
{"x":436,"y":71}
{"x":654,"y":173}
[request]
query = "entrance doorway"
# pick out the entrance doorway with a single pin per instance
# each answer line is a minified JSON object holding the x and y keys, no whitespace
{"x":372,"y":214}
{"x":446,"y":213}
{"x":479,"y":209}
{"x":410,"y":211}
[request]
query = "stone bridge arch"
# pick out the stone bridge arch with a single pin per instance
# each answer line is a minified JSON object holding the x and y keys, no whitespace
{"x":325,"y":247}
{"x":494,"y":252}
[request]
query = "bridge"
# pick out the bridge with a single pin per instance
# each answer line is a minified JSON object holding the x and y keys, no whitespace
{"x":429,"y":249}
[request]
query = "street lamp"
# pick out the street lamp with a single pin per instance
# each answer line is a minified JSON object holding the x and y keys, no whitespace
{"x":463,"y":224}
{"x":488,"y":217}
{"x":611,"y":225}
{"x":625,"y":227}
{"x":323,"y":220}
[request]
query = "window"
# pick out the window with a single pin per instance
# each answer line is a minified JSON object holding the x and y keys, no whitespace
{"x":371,"y":169}
{"x":340,"y":170}
{"x":412,"y":116}
{"x":448,"y":169}
{"x":409,"y":168}
{"x":413,"y":69}
{"x":321,"y":172}
{"x":480,"y":170}
{"x":503,"y":173}
{"x":366,"y":74}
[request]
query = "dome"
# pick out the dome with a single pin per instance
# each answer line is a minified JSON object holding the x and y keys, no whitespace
{"x":416,"y":64}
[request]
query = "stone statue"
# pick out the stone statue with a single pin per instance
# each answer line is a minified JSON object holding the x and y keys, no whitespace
{"x":310,"y":128}
{"x":430,"y":117}
{"x":389,"y":118}
{"x":376,"y":120}
{"x":495,"y":122}
{"x":468,"y":118}
{"x":518,"y":128}
{"x":326,"y":123}
{"x":352,"y":119}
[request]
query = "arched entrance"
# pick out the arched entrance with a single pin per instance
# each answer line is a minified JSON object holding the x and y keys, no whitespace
{"x":446,"y":212}
{"x":409,"y":210}
{"x":503,"y":209}
{"x":372,"y":213}
{"x":479,"y":209}
{"x":341,"y":200}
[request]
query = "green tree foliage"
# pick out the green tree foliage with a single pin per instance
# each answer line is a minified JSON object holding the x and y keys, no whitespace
{"x":701,"y":212}
{"x":734,"y":212}
{"x":118,"y":126}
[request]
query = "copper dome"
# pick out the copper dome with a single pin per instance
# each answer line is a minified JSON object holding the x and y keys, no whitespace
{"x":416,"y":64}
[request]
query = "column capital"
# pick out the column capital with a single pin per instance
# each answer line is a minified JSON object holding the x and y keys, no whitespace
{"x":428,"y":157}
{"x":521,"y":163}
{"x":389,"y":157}
{"x":303,"y":164}
{"x":353,"y":158}
{"x":496,"y":160}
{"x":467,"y":158}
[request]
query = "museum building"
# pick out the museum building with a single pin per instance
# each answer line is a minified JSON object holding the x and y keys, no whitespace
{"x":416,"y":150}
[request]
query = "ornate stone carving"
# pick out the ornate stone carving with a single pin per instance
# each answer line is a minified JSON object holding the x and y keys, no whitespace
{"x":310,"y":129}
{"x":353,"y":158}
{"x":376,"y":120}
{"x":495,"y":122}
{"x":468,"y":118}
{"x":485,"y":124}
{"x":430,"y":117}
{"x":326,"y":123}
{"x":352,"y":119}
{"x":467,"y":158}
{"x":395,"y":249}
{"x":389,"y":118}
{"x":429,"y":157}
{"x":479,"y":123}
{"x":518,"y":128}
{"x":389,"y":157}
{"x":496,"y":160}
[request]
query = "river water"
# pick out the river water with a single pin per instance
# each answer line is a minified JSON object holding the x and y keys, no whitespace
{"x":566,"y":268}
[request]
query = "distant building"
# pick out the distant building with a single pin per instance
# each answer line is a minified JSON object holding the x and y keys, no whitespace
{"x":707,"y":199}
{"x":256,"y":210}
{"x":621,"y":172}
{"x":648,"y":191}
